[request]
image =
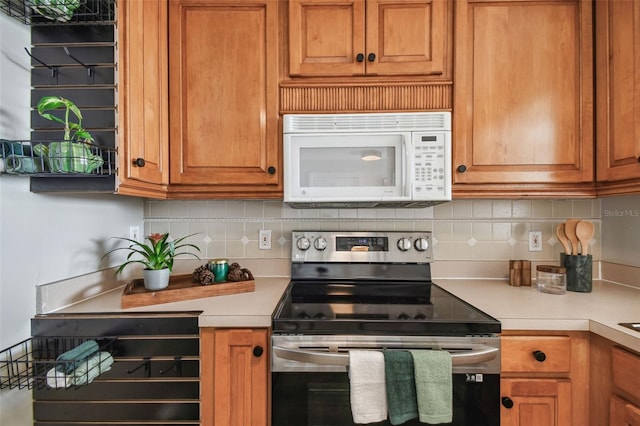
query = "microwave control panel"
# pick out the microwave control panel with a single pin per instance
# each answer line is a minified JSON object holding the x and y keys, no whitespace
{"x":431,"y":165}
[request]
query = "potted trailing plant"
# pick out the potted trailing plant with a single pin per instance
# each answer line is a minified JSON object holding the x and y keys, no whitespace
{"x":73,"y":154}
{"x":56,"y":10}
{"x":157,"y":257}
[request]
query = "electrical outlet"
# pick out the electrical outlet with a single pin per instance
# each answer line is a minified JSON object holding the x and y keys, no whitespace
{"x":535,"y":241}
{"x":134,"y":233}
{"x":265,"y":239}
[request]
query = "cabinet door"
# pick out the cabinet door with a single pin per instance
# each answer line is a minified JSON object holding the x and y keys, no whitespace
{"x":523,"y":93}
{"x":143,"y":134}
{"x":372,"y":37}
{"x":223,"y":59}
{"x":235,"y":370}
{"x":618,"y":89}
{"x":326,"y":37}
{"x":623,"y":413}
{"x":406,"y":37}
{"x":535,"y":402}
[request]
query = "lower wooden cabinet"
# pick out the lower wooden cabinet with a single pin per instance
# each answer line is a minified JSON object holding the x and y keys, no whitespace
{"x":535,"y":402}
{"x":545,"y":378}
{"x":234,"y":377}
{"x":623,"y":413}
{"x":615,"y":384}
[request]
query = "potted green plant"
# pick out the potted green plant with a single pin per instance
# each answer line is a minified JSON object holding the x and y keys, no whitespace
{"x":73,"y":154}
{"x":157,"y":257}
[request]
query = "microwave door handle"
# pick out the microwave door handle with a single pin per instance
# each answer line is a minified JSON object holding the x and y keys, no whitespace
{"x":406,"y":162}
{"x":477,"y":356}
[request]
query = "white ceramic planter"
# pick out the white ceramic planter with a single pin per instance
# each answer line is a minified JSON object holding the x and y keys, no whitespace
{"x":156,"y":279}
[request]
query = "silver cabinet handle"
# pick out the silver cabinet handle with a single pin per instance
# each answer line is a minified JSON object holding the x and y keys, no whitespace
{"x":478,"y":356}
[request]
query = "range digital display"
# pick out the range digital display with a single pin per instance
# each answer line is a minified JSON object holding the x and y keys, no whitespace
{"x":362,"y":244}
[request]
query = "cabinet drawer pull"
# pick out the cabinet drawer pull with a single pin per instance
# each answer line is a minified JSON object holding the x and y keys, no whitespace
{"x":360,"y":57}
{"x":271,"y":170}
{"x":539,"y":356}
{"x":139,"y":162}
{"x":371,"y":57}
{"x":507,"y":402}
{"x":462,"y":168}
{"x":258,"y":351}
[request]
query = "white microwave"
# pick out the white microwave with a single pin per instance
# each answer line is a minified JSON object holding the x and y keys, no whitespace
{"x":367,"y":160}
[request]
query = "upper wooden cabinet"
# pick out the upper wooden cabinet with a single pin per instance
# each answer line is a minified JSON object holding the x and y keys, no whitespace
{"x":618,"y":95}
{"x":143,"y":112}
{"x":198,"y":107}
{"x":223,"y":87}
{"x":368,"y":37}
{"x":523,"y":98}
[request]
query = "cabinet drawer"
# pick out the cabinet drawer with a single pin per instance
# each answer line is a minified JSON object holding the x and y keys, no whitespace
{"x":536,"y":354}
{"x":626,"y":371}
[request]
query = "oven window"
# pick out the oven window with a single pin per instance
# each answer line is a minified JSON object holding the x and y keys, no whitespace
{"x":322,"y":399}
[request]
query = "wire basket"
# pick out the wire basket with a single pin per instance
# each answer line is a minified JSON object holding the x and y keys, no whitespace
{"x":33,"y":363}
{"x":60,"y":12}
{"x":63,"y":158}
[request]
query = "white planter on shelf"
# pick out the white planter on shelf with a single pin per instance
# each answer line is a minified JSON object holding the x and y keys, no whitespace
{"x":156,"y":279}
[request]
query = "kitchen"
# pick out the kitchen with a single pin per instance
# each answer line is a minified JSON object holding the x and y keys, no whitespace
{"x":475,"y":236}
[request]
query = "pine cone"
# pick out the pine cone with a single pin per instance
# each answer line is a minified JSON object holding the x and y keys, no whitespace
{"x":236,"y":273}
{"x":203,"y":275}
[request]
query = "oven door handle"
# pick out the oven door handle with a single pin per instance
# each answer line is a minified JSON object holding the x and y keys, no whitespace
{"x":476,"y":356}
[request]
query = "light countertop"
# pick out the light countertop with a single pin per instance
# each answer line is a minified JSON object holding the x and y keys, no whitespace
{"x":253,"y":309}
{"x":518,"y":308}
{"x":523,"y":308}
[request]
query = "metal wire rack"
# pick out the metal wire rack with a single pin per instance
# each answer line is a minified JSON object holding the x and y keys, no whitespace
{"x":30,"y":364}
{"x":60,"y":12}
{"x":63,"y":158}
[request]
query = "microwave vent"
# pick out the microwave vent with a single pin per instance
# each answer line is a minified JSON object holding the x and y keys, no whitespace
{"x":311,"y":123}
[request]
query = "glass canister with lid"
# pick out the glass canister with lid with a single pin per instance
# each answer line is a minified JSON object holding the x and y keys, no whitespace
{"x":551,"y":279}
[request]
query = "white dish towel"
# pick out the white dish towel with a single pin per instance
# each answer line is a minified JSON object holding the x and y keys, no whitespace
{"x":367,"y":386}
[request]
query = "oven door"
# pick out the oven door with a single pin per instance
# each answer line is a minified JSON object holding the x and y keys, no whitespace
{"x":310,"y":383}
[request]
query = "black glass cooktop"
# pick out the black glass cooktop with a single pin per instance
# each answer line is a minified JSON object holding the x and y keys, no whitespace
{"x":361,"y":307}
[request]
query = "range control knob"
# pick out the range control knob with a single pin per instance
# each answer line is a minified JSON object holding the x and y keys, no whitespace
{"x":303,"y":243}
{"x":320,"y":243}
{"x":403,"y":244}
{"x":421,"y":244}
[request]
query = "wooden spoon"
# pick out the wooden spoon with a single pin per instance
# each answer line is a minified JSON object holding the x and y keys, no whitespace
{"x":570,"y":232}
{"x":584,"y":232}
{"x":563,"y":238}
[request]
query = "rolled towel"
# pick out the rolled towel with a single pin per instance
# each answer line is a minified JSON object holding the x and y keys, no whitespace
{"x":367,"y":386}
{"x":91,"y":368}
{"x":8,"y":148}
{"x":23,"y":164}
{"x":434,"y":386}
{"x":57,"y":379}
{"x":72,"y":359}
{"x":401,"y":387}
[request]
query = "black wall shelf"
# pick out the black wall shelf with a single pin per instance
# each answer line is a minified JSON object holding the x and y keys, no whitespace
{"x":67,"y":12}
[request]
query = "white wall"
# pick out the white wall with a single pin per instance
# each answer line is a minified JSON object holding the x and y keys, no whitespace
{"x":43,"y":237}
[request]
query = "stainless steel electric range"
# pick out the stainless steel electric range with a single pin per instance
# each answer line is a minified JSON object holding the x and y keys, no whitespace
{"x":373,"y":290}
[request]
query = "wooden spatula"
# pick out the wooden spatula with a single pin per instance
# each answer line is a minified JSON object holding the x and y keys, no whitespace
{"x":584,"y":232}
{"x":563,"y":238}
{"x":570,"y":232}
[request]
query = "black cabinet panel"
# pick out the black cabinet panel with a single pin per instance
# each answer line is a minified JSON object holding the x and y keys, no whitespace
{"x":155,"y":377}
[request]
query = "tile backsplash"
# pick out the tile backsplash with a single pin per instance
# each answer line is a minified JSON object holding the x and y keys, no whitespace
{"x":482,"y":230}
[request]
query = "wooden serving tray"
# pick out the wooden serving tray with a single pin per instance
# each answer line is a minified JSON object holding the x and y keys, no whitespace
{"x":180,"y":288}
